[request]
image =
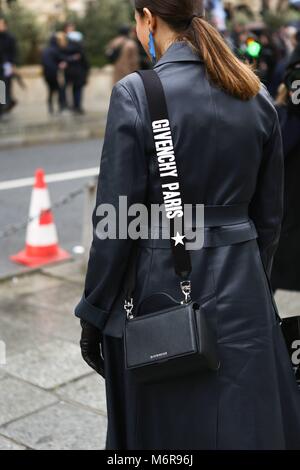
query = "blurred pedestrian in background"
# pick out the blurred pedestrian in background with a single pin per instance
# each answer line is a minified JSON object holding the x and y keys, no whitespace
{"x":8,"y":57}
{"x":76,"y":71}
{"x":66,"y":70}
{"x":286,"y":268}
{"x":267,"y":58}
{"x":286,"y":42}
{"x":53,"y":68}
{"x":123,"y":53}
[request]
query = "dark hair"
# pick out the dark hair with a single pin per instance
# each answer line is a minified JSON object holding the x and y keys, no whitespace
{"x":224,"y":69}
{"x":124,"y":30}
{"x":67,"y":24}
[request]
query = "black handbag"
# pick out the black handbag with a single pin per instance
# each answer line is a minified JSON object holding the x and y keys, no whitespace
{"x":167,"y":342}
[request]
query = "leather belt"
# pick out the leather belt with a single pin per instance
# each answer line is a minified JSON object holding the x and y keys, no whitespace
{"x":223,"y":225}
{"x":216,"y":216}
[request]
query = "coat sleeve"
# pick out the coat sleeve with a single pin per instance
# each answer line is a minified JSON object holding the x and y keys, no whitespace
{"x":123,"y":172}
{"x":266,"y":207}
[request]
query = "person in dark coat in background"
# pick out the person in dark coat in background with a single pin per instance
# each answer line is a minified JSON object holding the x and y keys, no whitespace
{"x":293,"y":39}
{"x":77,"y":70}
{"x":286,"y":266}
{"x":53,"y":69}
{"x":229,"y":156}
{"x":8,"y":59}
{"x":267,"y":60}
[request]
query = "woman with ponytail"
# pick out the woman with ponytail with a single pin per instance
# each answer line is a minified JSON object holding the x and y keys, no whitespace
{"x":228,"y":149}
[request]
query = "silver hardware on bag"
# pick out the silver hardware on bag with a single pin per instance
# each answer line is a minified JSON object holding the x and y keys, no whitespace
{"x":128,"y":306}
{"x":186,"y":289}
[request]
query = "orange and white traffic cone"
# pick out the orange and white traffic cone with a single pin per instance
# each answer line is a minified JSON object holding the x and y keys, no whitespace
{"x":41,"y":237}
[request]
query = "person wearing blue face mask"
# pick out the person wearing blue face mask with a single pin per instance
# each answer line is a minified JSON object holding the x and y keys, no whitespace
{"x":222,"y":137}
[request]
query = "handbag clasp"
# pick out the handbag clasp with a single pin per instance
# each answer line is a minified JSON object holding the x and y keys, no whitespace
{"x":128,"y":307}
{"x":186,"y":289}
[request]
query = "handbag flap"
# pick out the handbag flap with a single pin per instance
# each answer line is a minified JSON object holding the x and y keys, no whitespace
{"x":150,"y":338}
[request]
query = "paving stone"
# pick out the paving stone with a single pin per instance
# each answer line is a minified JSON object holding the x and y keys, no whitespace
{"x":89,"y":391}
{"x":18,"y":399}
{"x":49,"y":365}
{"x":3,"y":353}
{"x":288,"y":303}
{"x":70,"y":271}
{"x":18,"y":337}
{"x":64,"y":297}
{"x":7,"y":444}
{"x":42,"y":320}
{"x":60,"y":427}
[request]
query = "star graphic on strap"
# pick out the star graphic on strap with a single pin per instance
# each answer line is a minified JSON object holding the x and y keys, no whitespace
{"x":178,"y":239}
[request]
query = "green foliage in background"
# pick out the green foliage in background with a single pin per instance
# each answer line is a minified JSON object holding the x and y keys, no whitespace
{"x":101,"y":23}
{"x":24,"y":26}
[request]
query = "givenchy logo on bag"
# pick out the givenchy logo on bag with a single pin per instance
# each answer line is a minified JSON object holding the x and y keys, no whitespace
{"x":157,"y":356}
{"x":168,"y":168}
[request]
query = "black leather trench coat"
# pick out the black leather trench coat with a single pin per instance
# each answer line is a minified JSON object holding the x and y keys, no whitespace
{"x":229,"y":154}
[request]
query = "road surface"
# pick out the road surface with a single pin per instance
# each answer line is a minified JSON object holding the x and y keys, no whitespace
{"x":69,"y":166}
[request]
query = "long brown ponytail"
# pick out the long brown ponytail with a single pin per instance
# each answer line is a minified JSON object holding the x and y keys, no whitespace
{"x":224,"y":69}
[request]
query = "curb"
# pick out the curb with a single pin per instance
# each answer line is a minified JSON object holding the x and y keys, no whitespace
{"x":29,"y":136}
{"x":18,"y":274}
{"x":43,"y":271}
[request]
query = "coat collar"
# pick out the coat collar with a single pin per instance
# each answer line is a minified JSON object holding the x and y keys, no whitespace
{"x":179,"y":51}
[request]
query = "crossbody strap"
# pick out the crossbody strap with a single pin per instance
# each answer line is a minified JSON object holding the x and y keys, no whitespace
{"x":164,"y":156}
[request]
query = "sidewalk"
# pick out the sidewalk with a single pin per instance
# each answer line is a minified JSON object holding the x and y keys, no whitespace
{"x":49,"y":398}
{"x":29,"y":123}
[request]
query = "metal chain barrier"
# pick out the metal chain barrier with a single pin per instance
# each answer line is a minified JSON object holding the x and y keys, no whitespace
{"x":15,"y":228}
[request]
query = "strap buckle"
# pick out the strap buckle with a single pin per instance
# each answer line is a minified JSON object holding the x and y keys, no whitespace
{"x":186,"y":289}
{"x":128,"y":307}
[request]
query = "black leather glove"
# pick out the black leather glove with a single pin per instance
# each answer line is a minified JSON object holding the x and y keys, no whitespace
{"x":91,"y":347}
